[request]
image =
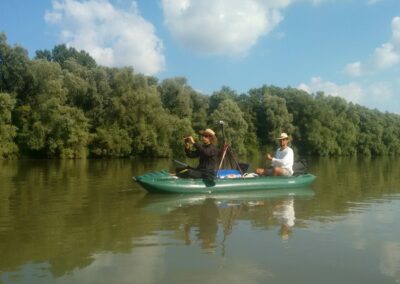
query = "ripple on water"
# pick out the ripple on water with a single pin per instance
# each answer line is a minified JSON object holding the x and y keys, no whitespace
{"x":5,"y":225}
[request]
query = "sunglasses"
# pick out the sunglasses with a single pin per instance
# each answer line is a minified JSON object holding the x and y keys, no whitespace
{"x":206,"y":135}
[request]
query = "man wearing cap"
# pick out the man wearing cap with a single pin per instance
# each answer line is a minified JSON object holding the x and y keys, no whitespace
{"x":282,"y":163}
{"x":207,"y":153}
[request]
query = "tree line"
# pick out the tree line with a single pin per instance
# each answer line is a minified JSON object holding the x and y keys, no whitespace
{"x":61,"y":104}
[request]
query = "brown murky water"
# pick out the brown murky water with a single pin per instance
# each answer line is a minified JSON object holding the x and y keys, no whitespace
{"x":88,"y":222}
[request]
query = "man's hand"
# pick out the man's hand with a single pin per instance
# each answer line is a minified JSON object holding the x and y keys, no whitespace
{"x":190,"y":139}
{"x":269,"y":157}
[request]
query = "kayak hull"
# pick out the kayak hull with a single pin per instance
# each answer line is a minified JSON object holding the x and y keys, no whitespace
{"x":163,"y":182}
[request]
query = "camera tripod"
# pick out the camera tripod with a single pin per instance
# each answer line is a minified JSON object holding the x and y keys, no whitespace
{"x":228,"y":157}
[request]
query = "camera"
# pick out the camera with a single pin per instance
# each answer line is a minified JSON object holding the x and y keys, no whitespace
{"x":186,"y":139}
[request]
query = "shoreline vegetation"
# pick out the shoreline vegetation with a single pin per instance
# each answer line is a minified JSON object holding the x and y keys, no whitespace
{"x":61,"y":104}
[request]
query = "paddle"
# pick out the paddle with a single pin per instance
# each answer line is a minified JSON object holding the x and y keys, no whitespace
{"x":181,"y":163}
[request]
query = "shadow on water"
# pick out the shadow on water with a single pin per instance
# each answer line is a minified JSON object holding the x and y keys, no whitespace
{"x":63,"y":213}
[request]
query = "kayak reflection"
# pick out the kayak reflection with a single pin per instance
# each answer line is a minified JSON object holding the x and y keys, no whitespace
{"x":208,"y":220}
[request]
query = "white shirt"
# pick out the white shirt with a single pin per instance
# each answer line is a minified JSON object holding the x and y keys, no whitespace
{"x":284,"y":159}
{"x":285,"y":213}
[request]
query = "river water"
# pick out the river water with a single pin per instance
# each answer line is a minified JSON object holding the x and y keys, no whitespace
{"x":87,"y":221}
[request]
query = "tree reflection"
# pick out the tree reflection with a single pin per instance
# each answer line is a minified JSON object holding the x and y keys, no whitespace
{"x":65,"y":212}
{"x":207,"y":225}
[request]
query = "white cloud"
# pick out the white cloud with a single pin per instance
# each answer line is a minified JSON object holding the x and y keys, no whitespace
{"x":379,"y":94}
{"x":380,"y":89}
{"x":396,"y":31}
{"x":373,"y":2}
{"x":224,"y":27}
{"x":384,"y":57}
{"x":353,"y":69}
{"x":351,"y":91}
{"x":112,"y":36}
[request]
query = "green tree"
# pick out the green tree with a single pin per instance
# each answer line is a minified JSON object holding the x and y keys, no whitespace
{"x":111,"y":141}
{"x":47,"y":126}
{"x":371,"y":133}
{"x":54,"y":130}
{"x":47,"y":83}
{"x":322,"y":132}
{"x":251,"y":140}
{"x":219,"y":96}
{"x":236,"y":126}
{"x":343,"y":122}
{"x":176,"y":97}
{"x":44,"y":54}
{"x":67,"y":132}
{"x":61,"y":53}
{"x":135,"y":105}
{"x":97,"y":98}
{"x":8,"y":149}
{"x":77,"y":84}
{"x":61,"y":103}
{"x":181,"y":128}
{"x":200,"y":111}
{"x":391,"y":135}
{"x":14,"y":62}
{"x":277,"y":119}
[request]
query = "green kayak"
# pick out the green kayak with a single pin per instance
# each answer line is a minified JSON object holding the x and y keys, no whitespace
{"x":164,"y":182}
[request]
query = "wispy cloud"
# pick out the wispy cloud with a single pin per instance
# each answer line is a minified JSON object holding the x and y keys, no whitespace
{"x":377,"y":91}
{"x":385,"y":56}
{"x":114,"y":37}
{"x":378,"y":94}
{"x":373,"y":2}
{"x":351,"y":91}
{"x":224,"y":27}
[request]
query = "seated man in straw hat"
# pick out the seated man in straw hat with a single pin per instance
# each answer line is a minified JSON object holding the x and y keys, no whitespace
{"x":207,"y":153}
{"x":282,"y":163}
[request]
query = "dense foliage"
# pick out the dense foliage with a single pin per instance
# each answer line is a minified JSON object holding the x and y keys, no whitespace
{"x":62,"y":104}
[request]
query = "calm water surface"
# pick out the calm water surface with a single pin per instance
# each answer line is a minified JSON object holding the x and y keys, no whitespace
{"x":88,"y":222}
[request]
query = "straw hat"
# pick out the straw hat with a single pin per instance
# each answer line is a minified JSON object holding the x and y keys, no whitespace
{"x":208,"y":131}
{"x":283,"y":136}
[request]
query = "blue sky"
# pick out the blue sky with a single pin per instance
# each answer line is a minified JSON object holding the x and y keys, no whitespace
{"x":347,"y":48}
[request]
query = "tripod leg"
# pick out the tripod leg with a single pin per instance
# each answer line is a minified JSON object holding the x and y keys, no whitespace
{"x":223,"y":157}
{"x":232,"y":156}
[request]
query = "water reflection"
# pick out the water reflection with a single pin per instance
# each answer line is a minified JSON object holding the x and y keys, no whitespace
{"x":208,"y":220}
{"x":88,"y":222}
{"x":390,"y":260}
{"x":207,"y":224}
{"x":284,"y":213}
